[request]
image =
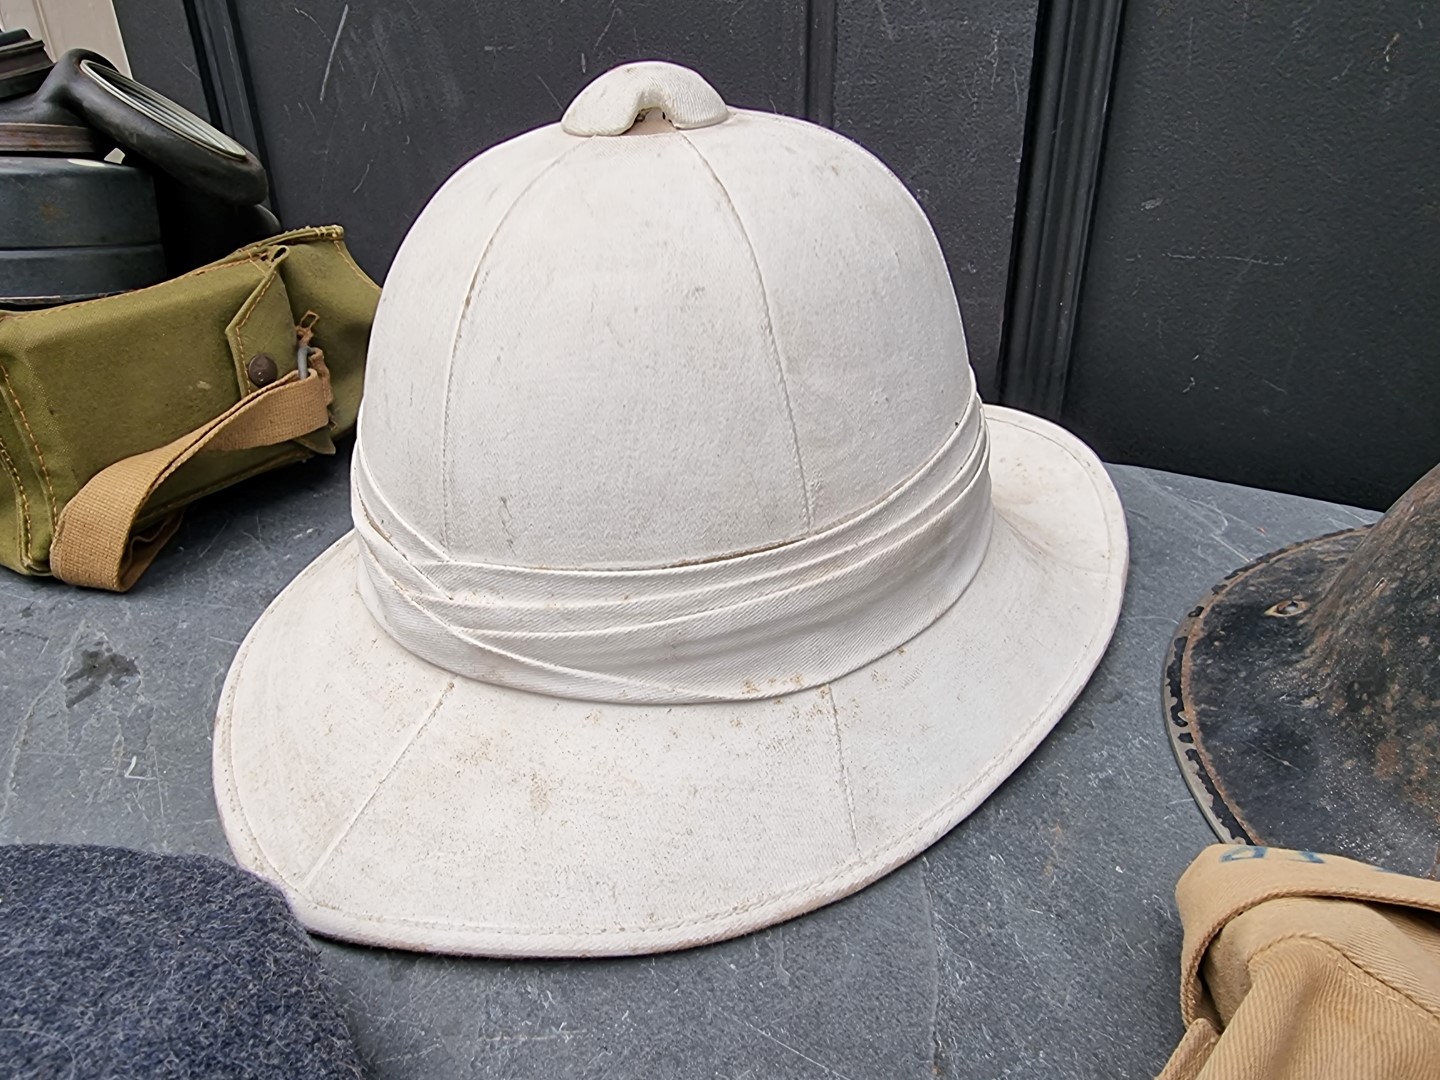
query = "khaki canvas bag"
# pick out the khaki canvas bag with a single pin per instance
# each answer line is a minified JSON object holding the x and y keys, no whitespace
{"x":1299,"y":965}
{"x":117,"y":412}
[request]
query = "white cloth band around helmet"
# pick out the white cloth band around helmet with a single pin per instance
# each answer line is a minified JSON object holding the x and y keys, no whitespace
{"x":743,"y":626}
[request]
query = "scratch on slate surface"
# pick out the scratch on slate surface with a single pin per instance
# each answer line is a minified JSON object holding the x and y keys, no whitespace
{"x":550,"y":92}
{"x":608,"y":23}
{"x":937,"y":1060}
{"x":826,"y":1069}
{"x":334,"y":44}
{"x":22,"y":733}
{"x":1191,"y":508}
{"x":1248,"y":260}
{"x":307,"y":15}
{"x":363,"y":175}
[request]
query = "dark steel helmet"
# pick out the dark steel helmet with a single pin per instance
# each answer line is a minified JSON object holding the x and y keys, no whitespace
{"x":1303,"y":694}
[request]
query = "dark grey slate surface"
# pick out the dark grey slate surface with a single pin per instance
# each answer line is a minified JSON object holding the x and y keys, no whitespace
{"x":1037,"y":939}
{"x":938,"y":91}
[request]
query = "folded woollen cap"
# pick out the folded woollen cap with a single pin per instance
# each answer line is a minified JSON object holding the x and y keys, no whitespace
{"x":117,"y":963}
{"x":692,"y":586}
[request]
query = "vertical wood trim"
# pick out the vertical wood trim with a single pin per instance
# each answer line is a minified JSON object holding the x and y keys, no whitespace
{"x":1076,"y":49}
{"x":820,"y":42}
{"x":225,"y":74}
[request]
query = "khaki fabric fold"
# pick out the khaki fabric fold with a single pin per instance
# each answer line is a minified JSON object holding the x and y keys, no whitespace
{"x":1298,"y":964}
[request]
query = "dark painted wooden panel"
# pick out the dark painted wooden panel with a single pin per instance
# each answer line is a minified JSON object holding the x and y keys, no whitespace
{"x":1260,"y":301}
{"x":162,"y":56}
{"x":368,"y":105}
{"x":937,"y":89}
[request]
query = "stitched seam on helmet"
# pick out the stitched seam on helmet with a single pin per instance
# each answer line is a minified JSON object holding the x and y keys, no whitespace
{"x":769,"y":331}
{"x":411,"y":739}
{"x":455,"y":341}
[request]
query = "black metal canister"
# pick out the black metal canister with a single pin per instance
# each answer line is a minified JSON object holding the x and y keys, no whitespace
{"x":75,"y":225}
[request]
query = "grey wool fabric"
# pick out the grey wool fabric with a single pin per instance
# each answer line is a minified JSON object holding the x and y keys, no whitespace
{"x":116,"y":963}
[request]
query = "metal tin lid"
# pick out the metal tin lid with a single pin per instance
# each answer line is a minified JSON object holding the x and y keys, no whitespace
{"x":24,"y":63}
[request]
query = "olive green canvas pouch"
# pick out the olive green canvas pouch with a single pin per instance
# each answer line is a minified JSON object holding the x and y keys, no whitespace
{"x":117,"y":412}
